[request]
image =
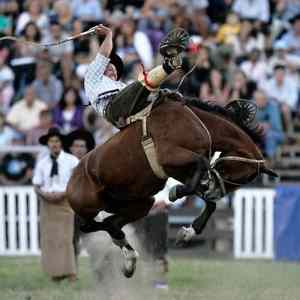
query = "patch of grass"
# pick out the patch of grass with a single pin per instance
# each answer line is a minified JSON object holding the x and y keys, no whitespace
{"x":22,"y":278}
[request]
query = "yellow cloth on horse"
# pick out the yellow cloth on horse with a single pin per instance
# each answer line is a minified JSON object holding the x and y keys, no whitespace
{"x":57,"y":226}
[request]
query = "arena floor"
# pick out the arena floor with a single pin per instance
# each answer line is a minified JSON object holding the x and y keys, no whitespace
{"x":22,"y":278}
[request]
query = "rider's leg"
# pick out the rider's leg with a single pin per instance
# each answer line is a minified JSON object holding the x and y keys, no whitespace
{"x":134,"y":97}
{"x":170,"y":49}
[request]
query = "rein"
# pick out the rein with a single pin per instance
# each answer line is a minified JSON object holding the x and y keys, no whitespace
{"x":226,"y":158}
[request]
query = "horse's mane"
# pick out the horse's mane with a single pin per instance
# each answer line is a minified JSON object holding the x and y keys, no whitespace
{"x":254,"y":130}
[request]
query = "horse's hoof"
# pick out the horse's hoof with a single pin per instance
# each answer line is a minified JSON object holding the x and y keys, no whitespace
{"x":130,"y":260}
{"x":184,"y":235}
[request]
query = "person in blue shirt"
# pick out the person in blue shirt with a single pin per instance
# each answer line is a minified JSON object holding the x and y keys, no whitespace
{"x":269,"y":117}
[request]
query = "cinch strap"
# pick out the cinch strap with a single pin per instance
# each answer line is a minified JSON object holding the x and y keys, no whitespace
{"x":147,"y":141}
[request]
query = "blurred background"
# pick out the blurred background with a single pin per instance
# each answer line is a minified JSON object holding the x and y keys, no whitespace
{"x":244,"y":49}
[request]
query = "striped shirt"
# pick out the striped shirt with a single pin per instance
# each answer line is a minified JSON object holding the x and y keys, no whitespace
{"x":99,"y":88}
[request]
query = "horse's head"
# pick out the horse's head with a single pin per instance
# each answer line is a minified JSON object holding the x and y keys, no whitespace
{"x":232,"y":172}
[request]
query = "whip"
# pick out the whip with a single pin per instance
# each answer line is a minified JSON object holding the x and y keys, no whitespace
{"x":91,"y":31}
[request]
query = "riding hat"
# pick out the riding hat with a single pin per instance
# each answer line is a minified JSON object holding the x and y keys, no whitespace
{"x":53,"y":131}
{"x":80,"y":134}
{"x":116,"y":60}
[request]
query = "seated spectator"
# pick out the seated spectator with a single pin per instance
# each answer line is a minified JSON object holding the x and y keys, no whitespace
{"x":30,"y":33}
{"x":284,"y":91}
{"x":6,"y":81}
{"x":7,"y":133}
{"x":45,"y":122}
{"x":215,"y":90}
{"x":202,"y":71}
{"x":47,"y":87}
{"x":99,"y":127}
{"x":25,"y":56}
{"x":134,"y":44}
{"x":281,"y":56}
{"x":32,"y":13}
{"x":62,"y":56}
{"x":292,"y":37}
{"x":87,"y":10}
{"x":9,"y":7}
{"x":16,"y":167}
{"x":269,"y":117}
{"x":198,"y":22}
{"x":63,"y":12}
{"x":254,"y":9}
{"x":68,"y":113}
{"x":255,"y":67}
{"x":248,"y":39}
{"x":82,"y":47}
{"x":229,"y":30}
{"x":240,"y":88}
{"x":24,"y":114}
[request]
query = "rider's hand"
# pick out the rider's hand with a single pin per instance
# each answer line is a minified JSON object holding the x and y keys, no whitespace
{"x":102,"y":30}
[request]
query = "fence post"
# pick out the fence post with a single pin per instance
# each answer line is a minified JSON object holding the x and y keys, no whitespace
{"x":253,"y":223}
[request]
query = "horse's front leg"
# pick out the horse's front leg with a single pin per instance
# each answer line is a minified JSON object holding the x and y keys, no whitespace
{"x":185,"y":234}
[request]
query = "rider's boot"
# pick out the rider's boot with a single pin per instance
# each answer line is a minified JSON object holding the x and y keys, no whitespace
{"x":170,"y":48}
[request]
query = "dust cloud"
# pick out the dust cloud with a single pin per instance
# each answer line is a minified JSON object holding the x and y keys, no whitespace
{"x":106,"y":262}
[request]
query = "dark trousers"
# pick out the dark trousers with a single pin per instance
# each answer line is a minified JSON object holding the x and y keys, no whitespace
{"x":127,"y":102}
{"x":153,"y":232}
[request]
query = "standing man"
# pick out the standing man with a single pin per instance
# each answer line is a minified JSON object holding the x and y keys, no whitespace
{"x":50,"y":179}
{"x":79,"y":143}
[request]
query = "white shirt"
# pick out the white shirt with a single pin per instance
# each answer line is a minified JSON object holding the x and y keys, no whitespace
{"x":25,"y":117}
{"x":286,"y":93}
{"x":252,"y":9}
{"x":256,"y":72}
{"x":58,"y":183}
{"x":99,"y":88}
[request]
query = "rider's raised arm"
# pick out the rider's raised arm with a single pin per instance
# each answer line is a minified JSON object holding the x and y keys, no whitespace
{"x":94,"y":75}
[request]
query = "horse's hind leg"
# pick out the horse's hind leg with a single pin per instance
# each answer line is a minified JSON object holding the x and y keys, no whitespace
{"x":114,"y":224}
{"x":135,"y":211}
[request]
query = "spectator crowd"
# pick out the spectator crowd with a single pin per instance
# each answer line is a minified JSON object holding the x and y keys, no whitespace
{"x":243,"y":49}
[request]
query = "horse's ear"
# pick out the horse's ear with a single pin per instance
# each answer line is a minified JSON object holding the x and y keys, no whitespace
{"x":268,"y":171}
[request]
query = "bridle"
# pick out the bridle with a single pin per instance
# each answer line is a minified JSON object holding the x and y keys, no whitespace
{"x":213,"y":169}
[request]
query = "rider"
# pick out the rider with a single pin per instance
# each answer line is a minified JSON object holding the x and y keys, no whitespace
{"x":110,"y":97}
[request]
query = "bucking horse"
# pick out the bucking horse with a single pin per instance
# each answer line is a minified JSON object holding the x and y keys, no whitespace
{"x":170,"y":138}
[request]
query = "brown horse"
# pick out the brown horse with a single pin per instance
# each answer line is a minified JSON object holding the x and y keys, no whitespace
{"x":117,"y":178}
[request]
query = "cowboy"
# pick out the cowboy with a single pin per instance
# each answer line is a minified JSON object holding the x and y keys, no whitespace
{"x":79,"y":143}
{"x":110,"y":97}
{"x":50,"y":179}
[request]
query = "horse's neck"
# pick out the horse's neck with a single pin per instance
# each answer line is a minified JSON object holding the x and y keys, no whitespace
{"x":226,"y":136}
